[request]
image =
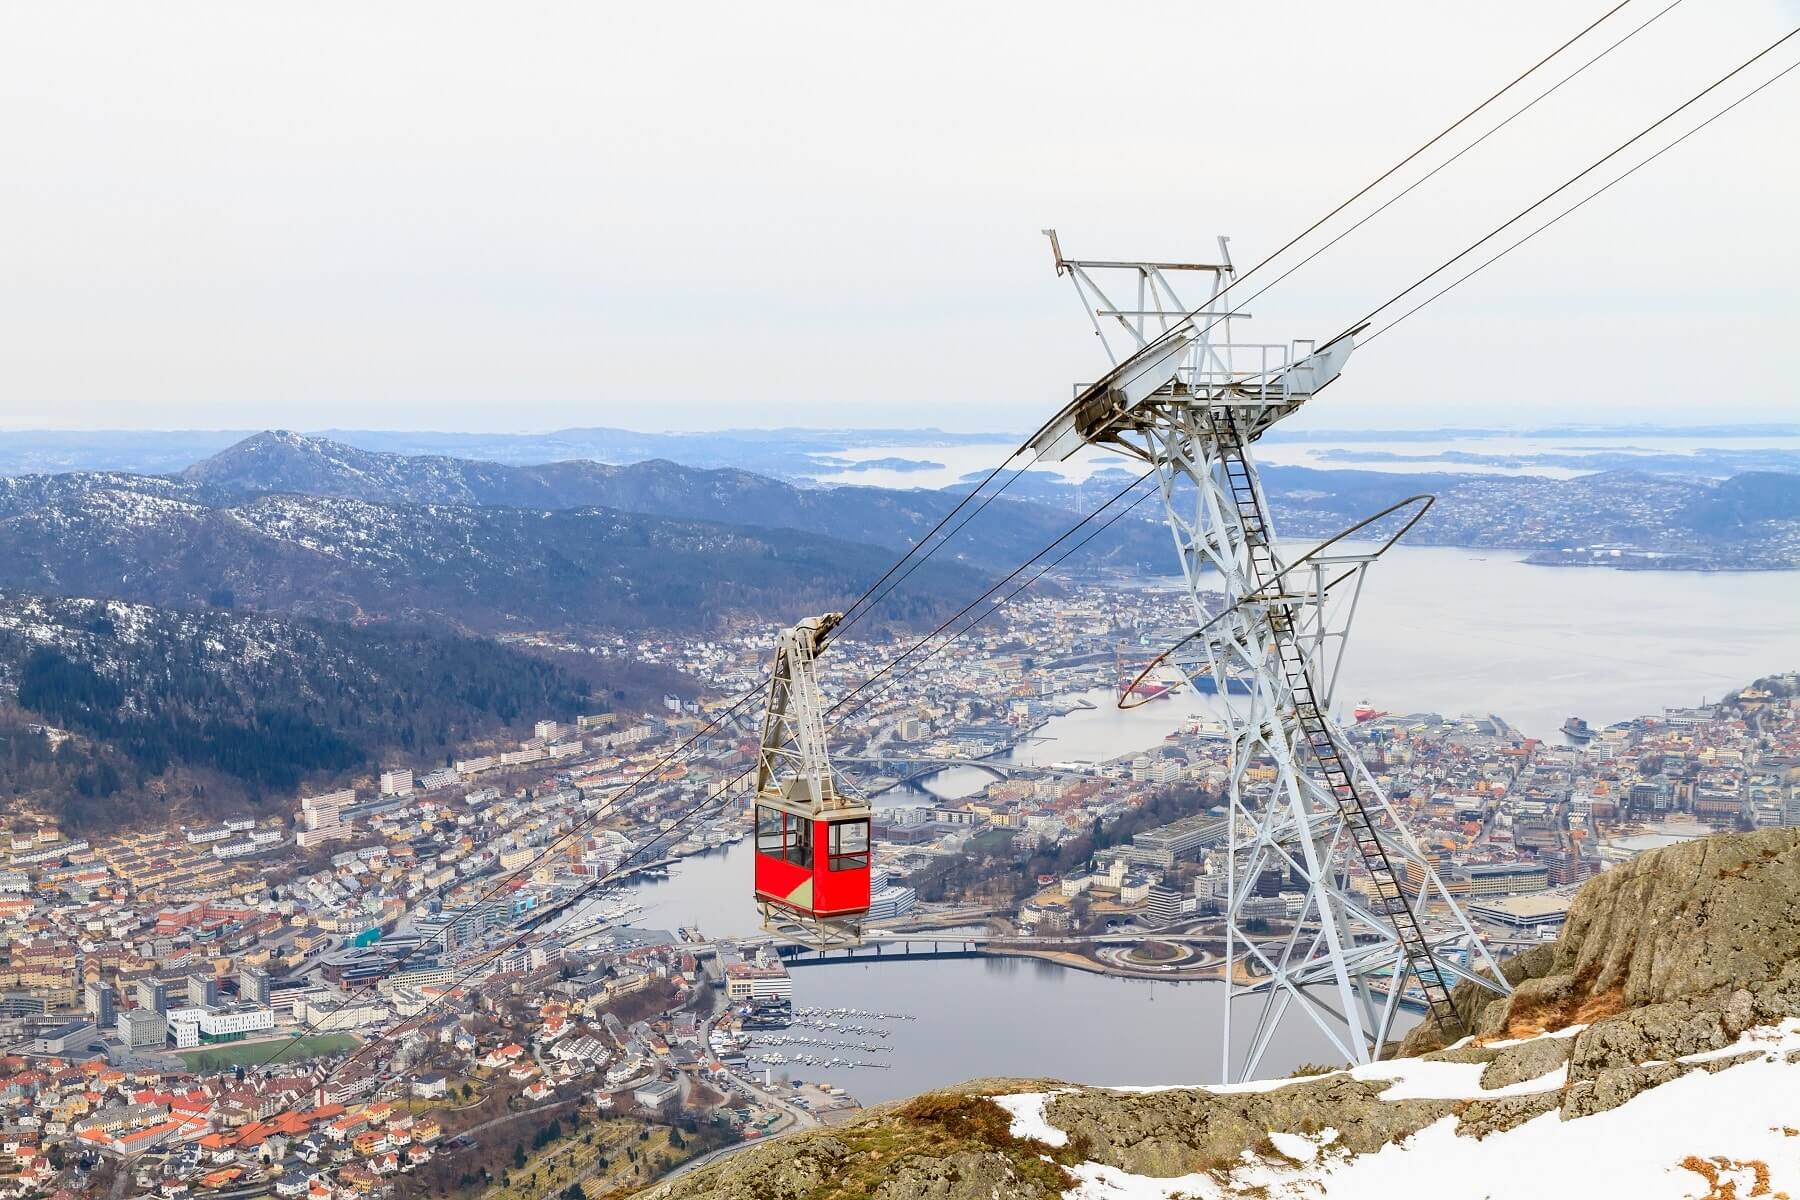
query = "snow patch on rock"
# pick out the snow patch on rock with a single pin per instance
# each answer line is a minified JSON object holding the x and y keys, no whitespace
{"x":1028,"y":1121}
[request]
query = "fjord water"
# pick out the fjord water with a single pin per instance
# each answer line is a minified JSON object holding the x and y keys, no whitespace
{"x":981,"y":1016}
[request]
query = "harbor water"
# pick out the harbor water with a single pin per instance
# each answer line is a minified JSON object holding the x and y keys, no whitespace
{"x":980,"y":1016}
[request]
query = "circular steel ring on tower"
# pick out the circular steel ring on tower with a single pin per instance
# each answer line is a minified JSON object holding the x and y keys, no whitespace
{"x":1424,"y":503}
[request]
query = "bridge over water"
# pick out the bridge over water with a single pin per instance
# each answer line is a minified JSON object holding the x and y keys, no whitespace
{"x":914,"y":767}
{"x":912,"y":947}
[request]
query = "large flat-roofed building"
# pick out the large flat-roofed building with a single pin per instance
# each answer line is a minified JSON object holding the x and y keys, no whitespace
{"x":202,"y":990}
{"x":1162,"y":905}
{"x":746,"y":981}
{"x":321,"y":818}
{"x":233,"y":1022}
{"x":141,"y":1027}
{"x":101,"y":1002}
{"x":72,"y":1038}
{"x":1501,"y":879}
{"x":1537,"y":913}
{"x":153,"y":994}
{"x":194,"y":1025}
{"x":253,"y":985}
{"x":1178,"y":840}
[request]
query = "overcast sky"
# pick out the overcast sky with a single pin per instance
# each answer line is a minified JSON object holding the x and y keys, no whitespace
{"x":690,"y":216}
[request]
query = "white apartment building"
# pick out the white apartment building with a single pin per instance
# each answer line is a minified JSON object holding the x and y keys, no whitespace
{"x":321,"y":818}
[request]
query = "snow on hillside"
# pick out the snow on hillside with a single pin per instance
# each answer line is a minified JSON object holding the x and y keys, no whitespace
{"x":1725,"y":1134}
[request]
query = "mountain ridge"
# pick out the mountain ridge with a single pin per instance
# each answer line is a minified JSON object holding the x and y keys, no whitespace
{"x":483,"y":569}
{"x":893,"y":518}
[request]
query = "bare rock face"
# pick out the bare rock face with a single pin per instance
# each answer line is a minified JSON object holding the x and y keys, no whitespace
{"x":785,"y":1170}
{"x":1187,"y":1130}
{"x":1681,"y":922}
{"x":1526,"y":1061}
{"x":1483,"y":1117}
{"x":950,"y":1145}
{"x":1705,"y":914}
{"x":1614,"y":1086}
{"x":960,"y":1175}
{"x":1660,"y":1032}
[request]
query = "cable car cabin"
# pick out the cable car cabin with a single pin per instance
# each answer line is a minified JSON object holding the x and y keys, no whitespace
{"x":812,"y":842}
{"x":812,"y":869}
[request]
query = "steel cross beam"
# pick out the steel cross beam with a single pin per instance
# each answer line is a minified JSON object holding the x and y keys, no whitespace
{"x":1188,"y":401}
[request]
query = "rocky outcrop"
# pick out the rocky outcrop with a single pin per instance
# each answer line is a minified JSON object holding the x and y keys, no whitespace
{"x":1528,"y":1060}
{"x":1683,"y":922}
{"x":1184,"y":1130}
{"x":1684,"y":952}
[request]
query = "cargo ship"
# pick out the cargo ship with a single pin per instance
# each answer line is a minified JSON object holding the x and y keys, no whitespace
{"x":1366,"y":712}
{"x":1155,"y":685}
{"x":1144,"y":689}
{"x":1578,"y":729}
{"x":1236,"y":685}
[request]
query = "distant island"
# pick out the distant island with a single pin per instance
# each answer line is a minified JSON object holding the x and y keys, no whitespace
{"x":894,"y":464}
{"x":1703,"y":461}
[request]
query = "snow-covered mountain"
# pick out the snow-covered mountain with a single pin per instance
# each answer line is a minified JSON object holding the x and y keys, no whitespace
{"x":1004,"y":534}
{"x":475,"y":568}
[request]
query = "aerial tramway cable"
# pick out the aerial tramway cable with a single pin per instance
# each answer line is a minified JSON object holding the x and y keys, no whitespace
{"x":1595,"y":194}
{"x":712,"y":726}
{"x":851,"y":615}
{"x":612,"y":801}
{"x":1238,"y":306}
{"x":1370,"y":316}
{"x":1179,"y":325}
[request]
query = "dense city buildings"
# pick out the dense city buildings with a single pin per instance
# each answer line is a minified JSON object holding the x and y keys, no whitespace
{"x":375,"y":951}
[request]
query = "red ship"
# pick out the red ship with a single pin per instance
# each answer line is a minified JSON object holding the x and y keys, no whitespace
{"x":1147,"y":688}
{"x":1366,"y":712}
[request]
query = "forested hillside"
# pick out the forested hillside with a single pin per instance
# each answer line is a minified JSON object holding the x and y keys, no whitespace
{"x":206,"y":712}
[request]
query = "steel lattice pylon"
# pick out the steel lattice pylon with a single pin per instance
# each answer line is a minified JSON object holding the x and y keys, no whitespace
{"x":794,"y":759}
{"x":1188,"y":401}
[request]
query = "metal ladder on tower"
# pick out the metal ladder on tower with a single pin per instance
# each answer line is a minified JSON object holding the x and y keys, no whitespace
{"x":1389,"y":897}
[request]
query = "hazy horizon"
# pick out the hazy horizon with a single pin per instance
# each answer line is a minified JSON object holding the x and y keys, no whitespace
{"x":1544,"y":429}
{"x":462,"y":218}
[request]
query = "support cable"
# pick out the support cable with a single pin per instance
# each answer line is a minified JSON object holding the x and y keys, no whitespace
{"x":1570,"y":182}
{"x":1239,"y":306}
{"x":1185,"y":321}
{"x":1620,"y":178}
{"x":864,"y":602}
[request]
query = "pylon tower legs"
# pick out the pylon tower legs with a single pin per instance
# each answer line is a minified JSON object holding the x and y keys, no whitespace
{"x":1305,"y":814}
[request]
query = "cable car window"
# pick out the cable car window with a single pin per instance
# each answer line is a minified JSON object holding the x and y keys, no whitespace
{"x":849,"y":845}
{"x":799,"y":842}
{"x":770,"y":837}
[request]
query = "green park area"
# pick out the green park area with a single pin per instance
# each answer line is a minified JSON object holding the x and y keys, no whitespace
{"x":267,"y":1052}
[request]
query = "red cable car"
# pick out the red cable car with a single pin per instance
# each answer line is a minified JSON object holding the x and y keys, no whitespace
{"x":812,"y":843}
